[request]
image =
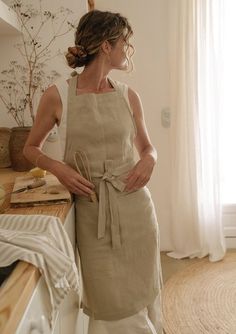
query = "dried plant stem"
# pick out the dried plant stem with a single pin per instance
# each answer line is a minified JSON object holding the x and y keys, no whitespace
{"x":21,"y":83}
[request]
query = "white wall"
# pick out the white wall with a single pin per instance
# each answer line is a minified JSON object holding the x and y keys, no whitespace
{"x":149,"y":20}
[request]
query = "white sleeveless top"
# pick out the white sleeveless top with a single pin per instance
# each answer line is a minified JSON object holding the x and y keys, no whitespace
{"x":62,"y":87}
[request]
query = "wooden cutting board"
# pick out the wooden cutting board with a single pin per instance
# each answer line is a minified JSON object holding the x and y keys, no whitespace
{"x":41,"y":195}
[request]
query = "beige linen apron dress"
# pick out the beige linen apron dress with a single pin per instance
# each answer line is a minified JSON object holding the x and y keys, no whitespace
{"x":117,"y":237}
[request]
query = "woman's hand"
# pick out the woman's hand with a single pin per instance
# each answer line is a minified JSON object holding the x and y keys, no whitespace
{"x":140,"y":174}
{"x":72,"y":180}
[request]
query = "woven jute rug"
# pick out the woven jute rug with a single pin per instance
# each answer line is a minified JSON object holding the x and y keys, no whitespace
{"x":202,"y":298}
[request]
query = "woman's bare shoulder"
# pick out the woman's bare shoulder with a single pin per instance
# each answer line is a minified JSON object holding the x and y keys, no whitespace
{"x":50,"y":104}
{"x":51,"y":95}
{"x":135,"y":102}
{"x":133,"y":94}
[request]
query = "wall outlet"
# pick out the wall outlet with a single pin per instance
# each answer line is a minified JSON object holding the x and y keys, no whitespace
{"x":165,"y":117}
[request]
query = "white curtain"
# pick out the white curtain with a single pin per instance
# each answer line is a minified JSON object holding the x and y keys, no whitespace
{"x":195,"y":77}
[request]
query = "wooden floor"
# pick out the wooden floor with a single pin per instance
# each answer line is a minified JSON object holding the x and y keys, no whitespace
{"x":171,"y":266}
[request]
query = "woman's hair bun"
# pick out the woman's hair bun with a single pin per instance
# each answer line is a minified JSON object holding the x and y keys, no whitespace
{"x":93,"y":29}
{"x":76,"y":56}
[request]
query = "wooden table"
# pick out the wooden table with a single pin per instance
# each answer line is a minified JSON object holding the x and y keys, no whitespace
{"x":19,"y":286}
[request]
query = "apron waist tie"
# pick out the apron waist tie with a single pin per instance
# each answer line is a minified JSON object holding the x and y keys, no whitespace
{"x":111,"y":181}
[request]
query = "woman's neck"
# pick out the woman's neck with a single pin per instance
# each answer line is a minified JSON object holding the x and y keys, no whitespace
{"x":94,"y":78}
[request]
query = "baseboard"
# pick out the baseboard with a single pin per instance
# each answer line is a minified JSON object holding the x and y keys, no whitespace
{"x":230,"y":242}
{"x":229,"y":219}
{"x":230,"y":236}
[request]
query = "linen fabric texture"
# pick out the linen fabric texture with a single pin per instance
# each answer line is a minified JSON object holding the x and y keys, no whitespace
{"x":42,"y":241}
{"x":118,"y":237}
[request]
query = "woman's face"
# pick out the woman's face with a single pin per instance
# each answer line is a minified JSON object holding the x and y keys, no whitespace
{"x":118,"y":54}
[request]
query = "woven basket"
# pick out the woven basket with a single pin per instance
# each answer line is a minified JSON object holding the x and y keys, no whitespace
{"x":5,"y":134}
{"x":18,"y":138}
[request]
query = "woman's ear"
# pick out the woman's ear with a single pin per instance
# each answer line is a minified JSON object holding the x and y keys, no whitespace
{"x":106,"y":47}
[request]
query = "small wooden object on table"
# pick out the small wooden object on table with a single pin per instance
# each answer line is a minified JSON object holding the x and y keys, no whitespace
{"x":53,"y":192}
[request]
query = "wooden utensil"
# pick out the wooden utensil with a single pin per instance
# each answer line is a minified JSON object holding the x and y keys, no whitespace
{"x":35,"y":184}
{"x":40,"y":195}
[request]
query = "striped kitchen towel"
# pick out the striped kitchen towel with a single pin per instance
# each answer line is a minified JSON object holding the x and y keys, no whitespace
{"x":42,"y":241}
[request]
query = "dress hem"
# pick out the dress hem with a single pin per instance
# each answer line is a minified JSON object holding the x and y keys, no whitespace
{"x":118,"y":316}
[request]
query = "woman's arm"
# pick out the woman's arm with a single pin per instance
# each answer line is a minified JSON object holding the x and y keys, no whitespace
{"x":141,"y":173}
{"x":46,"y":118}
{"x":48,"y":114}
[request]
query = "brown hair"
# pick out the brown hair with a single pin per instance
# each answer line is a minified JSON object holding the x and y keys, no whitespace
{"x":93,"y":29}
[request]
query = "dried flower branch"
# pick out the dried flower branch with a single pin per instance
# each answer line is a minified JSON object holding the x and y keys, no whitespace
{"x":22,"y":83}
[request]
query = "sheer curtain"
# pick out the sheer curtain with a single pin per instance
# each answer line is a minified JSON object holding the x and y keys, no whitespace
{"x":195,"y":77}
{"x":228,"y":115}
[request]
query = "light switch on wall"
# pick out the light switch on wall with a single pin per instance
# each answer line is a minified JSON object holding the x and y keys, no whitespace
{"x":165,"y":117}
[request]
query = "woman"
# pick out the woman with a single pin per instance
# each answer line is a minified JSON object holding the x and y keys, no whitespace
{"x":117,"y":235}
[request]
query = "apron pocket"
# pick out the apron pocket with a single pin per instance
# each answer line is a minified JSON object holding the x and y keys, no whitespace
{"x":137,"y":216}
{"x":86,"y":222}
{"x":129,"y":194}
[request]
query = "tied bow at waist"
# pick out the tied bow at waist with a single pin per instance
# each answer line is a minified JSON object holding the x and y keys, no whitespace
{"x":110,"y":180}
